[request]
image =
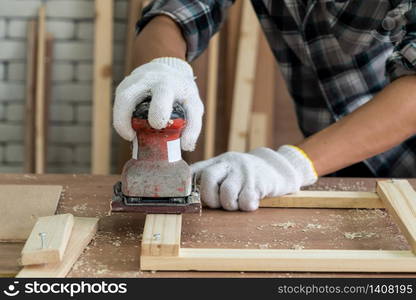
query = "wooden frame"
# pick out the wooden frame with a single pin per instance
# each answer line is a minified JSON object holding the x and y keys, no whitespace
{"x":161,"y":239}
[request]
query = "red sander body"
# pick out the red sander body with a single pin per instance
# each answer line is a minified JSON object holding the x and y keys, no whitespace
{"x":156,"y":179}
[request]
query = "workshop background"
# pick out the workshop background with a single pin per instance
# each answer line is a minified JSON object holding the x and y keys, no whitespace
{"x":69,"y":132}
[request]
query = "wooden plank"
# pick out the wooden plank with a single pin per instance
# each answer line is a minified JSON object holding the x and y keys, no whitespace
{"x":162,"y":235}
{"x":244,"y":79}
{"x":283,"y":260}
{"x":83,"y":231}
{"x":21,"y":205}
{"x":258,"y":130}
{"x":211,"y":102}
{"x":400,"y":200}
{"x":9,"y":257}
{"x":102,"y":87}
{"x":40,"y":94}
{"x":49,"y":42}
{"x":57,"y":230}
{"x":30,"y":92}
{"x":325,"y":199}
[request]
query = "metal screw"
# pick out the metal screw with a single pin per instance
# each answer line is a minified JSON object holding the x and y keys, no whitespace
{"x":42,"y":236}
{"x":156,"y":236}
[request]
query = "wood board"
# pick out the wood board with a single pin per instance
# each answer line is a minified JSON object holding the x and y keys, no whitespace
{"x":50,"y":248}
{"x":83,"y":231}
{"x":400,"y":200}
{"x":115,"y":250}
{"x":102,"y":87}
{"x":40,"y":153}
{"x":21,"y":205}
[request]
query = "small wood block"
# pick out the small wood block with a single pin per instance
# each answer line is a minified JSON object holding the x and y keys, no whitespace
{"x":83,"y":231}
{"x":162,"y":235}
{"x":325,"y":199}
{"x":400,"y":200}
{"x":57,"y":230}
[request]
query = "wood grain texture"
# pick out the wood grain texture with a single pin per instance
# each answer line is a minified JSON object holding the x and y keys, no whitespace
{"x":83,"y":231}
{"x":30,"y":96}
{"x":211,"y":102}
{"x":102,"y":87}
{"x":162,"y":235}
{"x":283,"y":260}
{"x":40,"y":153}
{"x":325,"y":199}
{"x":57,"y":230}
{"x":244,"y":79}
{"x":9,"y":258}
{"x":400,"y":200}
{"x":258,"y":130}
{"x":21,"y":205}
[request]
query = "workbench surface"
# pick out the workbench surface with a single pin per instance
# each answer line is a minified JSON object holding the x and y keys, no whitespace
{"x":114,"y":252}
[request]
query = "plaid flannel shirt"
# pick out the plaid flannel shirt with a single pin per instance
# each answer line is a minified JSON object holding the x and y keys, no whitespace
{"x":335,"y":55}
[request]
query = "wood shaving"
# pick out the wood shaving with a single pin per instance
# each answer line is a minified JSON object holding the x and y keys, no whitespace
{"x":359,"y":235}
{"x":286,"y":225}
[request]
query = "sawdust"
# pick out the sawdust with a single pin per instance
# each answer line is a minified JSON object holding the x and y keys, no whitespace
{"x":312,"y":226}
{"x":286,"y":225}
{"x":359,"y":235}
{"x":79,"y":207}
{"x":297,"y":247}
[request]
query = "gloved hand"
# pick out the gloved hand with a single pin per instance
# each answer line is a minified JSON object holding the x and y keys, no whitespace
{"x":240,"y":180}
{"x":166,"y":80}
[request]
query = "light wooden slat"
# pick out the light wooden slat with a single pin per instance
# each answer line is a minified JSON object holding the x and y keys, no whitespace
{"x":325,"y":199}
{"x":400,"y":200}
{"x":211,"y":102}
{"x":244,"y":79}
{"x":21,"y":205}
{"x":83,"y":231}
{"x":57,"y":230}
{"x":258,"y":130}
{"x":102,"y":87}
{"x":40,"y":94}
{"x":162,"y":235}
{"x":29,"y":132}
{"x":283,"y":260}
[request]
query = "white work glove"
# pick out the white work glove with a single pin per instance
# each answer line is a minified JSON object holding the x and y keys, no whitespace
{"x":166,"y":80}
{"x":240,"y":180}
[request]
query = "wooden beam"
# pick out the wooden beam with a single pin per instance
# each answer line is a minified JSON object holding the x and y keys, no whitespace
{"x":400,"y":200}
{"x":211,"y":102}
{"x":83,"y":231}
{"x":102,"y":87}
{"x":29,"y":120}
{"x":244,"y":79}
{"x":21,"y":205}
{"x":283,"y":260}
{"x":56,"y":230}
{"x":40,"y":94}
{"x":133,"y":14}
{"x":258,"y":130}
{"x":325,"y":199}
{"x":162,"y":235}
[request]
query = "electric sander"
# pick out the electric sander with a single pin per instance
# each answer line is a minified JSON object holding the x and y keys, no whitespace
{"x":156,"y":179}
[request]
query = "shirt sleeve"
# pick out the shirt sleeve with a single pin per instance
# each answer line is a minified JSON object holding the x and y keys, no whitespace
{"x":402,"y":61}
{"x":198,"y":20}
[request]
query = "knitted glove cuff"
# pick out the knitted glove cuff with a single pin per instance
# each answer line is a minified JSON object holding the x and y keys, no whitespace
{"x":301,"y":162}
{"x":177,"y":64}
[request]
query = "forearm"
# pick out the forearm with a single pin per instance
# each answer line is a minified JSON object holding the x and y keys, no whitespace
{"x":161,"y":37}
{"x":375,"y":127}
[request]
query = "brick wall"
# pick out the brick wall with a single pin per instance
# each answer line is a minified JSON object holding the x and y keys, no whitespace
{"x":72,"y":25}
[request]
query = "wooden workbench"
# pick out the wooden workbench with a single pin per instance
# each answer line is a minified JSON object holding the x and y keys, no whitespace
{"x":114,"y":252}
